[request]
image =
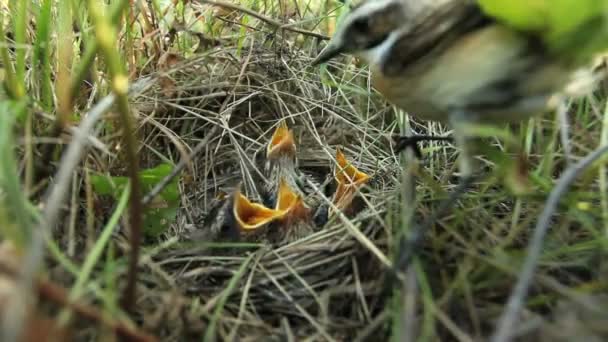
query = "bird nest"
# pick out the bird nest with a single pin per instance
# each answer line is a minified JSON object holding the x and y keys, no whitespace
{"x":327,"y":285}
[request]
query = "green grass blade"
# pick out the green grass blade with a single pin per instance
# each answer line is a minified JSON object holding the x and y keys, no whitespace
{"x":65,"y":58}
{"x":9,"y":71}
{"x":14,"y":199}
{"x":42,"y":55}
{"x":19,"y":9}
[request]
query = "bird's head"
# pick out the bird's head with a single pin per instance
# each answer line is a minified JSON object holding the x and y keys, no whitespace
{"x":347,"y":174}
{"x":348,"y":179}
{"x":282,"y":143}
{"x":366,"y":29}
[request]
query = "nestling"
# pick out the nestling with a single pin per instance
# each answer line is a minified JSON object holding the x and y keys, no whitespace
{"x":349,"y":181}
{"x":282,"y":167}
{"x":235,"y":217}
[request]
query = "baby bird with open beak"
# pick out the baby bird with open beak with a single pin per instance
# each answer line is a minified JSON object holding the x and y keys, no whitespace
{"x":237,"y":218}
{"x":296,"y":220}
{"x":281,"y":163}
{"x":282,"y":168}
{"x":349,"y":181}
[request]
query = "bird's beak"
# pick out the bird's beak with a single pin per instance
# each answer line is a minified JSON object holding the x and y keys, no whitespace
{"x":281,"y":143}
{"x":290,"y":203}
{"x":349,"y":179}
{"x":332,"y":50}
{"x":251,"y":216}
{"x":348,"y":174}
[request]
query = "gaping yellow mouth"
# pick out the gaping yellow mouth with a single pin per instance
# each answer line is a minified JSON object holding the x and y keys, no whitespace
{"x":349,"y":179}
{"x":290,"y":203}
{"x":281,"y":143}
{"x":347,"y":174}
{"x":251,"y":216}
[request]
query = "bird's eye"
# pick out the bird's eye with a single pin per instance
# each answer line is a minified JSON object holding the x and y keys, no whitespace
{"x":361,"y":25}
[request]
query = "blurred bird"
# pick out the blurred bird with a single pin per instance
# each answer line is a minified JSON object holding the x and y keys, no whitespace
{"x":471,"y":62}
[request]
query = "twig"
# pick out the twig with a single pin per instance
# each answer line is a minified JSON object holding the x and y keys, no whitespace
{"x":505,"y":324}
{"x":57,"y":294}
{"x":12,"y":324}
{"x":277,"y":24}
{"x":105,"y":35}
{"x":228,"y":21}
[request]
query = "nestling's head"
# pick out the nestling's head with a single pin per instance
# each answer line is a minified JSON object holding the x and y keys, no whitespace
{"x":366,"y":28}
{"x":349,"y":180}
{"x":282,"y":143}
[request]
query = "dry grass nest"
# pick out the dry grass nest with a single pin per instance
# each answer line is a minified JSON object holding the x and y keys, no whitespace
{"x":328,"y":285}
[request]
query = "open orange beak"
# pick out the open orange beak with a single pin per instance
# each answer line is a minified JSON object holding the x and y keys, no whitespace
{"x":281,"y":143}
{"x":290,"y":203}
{"x":349,"y":179}
{"x":251,"y":216}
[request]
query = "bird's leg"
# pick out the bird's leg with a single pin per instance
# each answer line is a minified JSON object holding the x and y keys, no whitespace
{"x":466,"y":163}
{"x":460,"y":122}
{"x":411,"y":141}
{"x":409,"y":244}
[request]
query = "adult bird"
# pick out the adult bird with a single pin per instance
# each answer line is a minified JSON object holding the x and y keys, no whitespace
{"x":467,"y":62}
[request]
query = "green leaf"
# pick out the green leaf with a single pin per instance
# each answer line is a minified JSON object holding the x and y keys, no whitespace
{"x":157,"y":221}
{"x":572,"y":29}
{"x":553,"y":17}
{"x":522,"y":15}
{"x":161,"y":212}
{"x":107,"y":185}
